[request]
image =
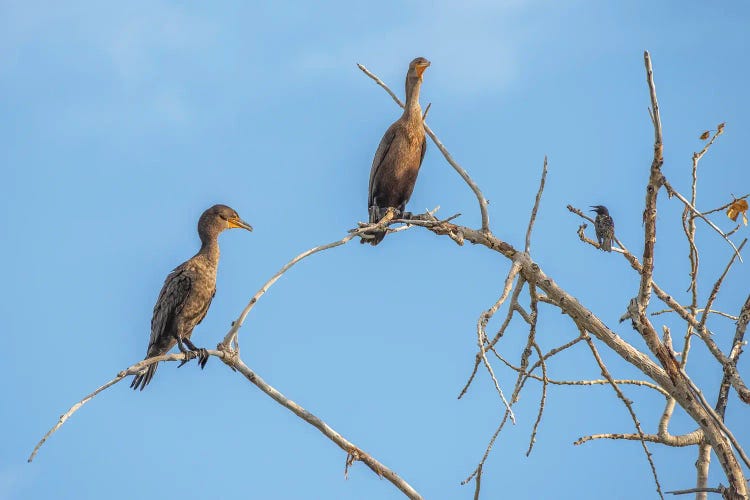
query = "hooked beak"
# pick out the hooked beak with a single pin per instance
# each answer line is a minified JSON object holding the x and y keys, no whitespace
{"x":239,"y":223}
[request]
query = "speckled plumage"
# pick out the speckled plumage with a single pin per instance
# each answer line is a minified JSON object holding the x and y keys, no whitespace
{"x":187,"y":292}
{"x":604,"y":227}
{"x":399,"y":155}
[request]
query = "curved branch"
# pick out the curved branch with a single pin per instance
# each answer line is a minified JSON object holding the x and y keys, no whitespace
{"x":353,"y":453}
{"x":230,"y":339}
{"x":131,"y":370}
{"x":231,"y":359}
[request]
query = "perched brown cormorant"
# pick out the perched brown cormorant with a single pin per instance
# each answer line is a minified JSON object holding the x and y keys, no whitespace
{"x":399,"y":155}
{"x":187,"y":293}
{"x":604,"y":227}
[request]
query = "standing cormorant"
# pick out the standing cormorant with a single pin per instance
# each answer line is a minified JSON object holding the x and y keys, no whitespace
{"x":399,"y":155}
{"x":604,"y":227}
{"x":187,"y":293}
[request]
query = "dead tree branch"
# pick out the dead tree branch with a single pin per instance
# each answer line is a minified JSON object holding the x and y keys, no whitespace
{"x":232,"y":360}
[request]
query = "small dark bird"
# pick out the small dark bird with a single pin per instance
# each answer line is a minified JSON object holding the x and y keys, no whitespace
{"x":604,"y":226}
{"x":187,"y":293}
{"x":399,"y":155}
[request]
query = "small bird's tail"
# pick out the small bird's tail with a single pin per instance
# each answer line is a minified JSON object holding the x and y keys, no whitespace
{"x":607,"y":244}
{"x":142,"y":379}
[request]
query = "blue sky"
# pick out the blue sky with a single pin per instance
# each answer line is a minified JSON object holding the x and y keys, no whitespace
{"x":124,"y":121}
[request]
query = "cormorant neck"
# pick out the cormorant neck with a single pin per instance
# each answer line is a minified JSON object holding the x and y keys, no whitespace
{"x":412,"y":96}
{"x":210,"y":248}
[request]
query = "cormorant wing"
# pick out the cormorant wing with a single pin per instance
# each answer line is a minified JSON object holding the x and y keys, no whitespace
{"x":380,"y":154}
{"x":171,"y":300}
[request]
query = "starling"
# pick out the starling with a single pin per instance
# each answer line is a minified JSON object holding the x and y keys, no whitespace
{"x":605,"y":227}
{"x":187,"y":293}
{"x":399,"y":155}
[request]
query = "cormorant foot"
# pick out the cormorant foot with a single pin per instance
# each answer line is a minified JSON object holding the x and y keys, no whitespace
{"x":190,"y":355}
{"x":406,"y":215}
{"x":202,"y":357}
{"x":199,"y":352}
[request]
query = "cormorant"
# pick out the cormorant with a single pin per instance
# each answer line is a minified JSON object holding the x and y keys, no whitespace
{"x":187,"y":293}
{"x":604,"y":226}
{"x":399,"y":155}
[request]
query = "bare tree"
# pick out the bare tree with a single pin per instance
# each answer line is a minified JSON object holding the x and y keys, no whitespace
{"x":527,"y":290}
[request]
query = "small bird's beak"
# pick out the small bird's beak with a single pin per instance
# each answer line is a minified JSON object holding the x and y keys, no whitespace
{"x":421,"y":67}
{"x":237,"y":222}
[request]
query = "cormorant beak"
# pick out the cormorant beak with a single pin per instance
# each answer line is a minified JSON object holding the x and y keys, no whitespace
{"x":239,"y":223}
{"x":420,"y":67}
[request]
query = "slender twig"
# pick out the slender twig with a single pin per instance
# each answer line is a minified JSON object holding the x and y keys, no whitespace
{"x":464,"y":175}
{"x":352,"y":451}
{"x":478,"y":482}
{"x":721,"y":490}
{"x":536,"y":206}
{"x":230,"y":337}
{"x":230,"y":358}
{"x":724,"y":207}
{"x":717,"y":285}
{"x":530,"y":374}
{"x":131,"y":370}
{"x":718,"y":420}
{"x":737,"y":343}
{"x":628,"y":405}
{"x":711,"y":311}
{"x":542,"y":401}
{"x":676,"y":441}
{"x":673,"y":192}
{"x":482,"y":335}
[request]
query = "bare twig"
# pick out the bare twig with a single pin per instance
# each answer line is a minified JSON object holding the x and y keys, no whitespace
{"x":629,"y":406}
{"x":352,"y":451}
{"x":230,"y":338}
{"x":652,"y":189}
{"x":676,"y":441}
{"x":721,"y":490}
{"x":711,"y":311}
{"x":717,"y":285}
{"x":724,"y":207}
{"x":673,"y":192}
{"x":530,"y":374}
{"x":131,"y":370}
{"x":543,"y":400}
{"x":536,"y":206}
{"x":230,"y":358}
{"x":482,"y":335}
